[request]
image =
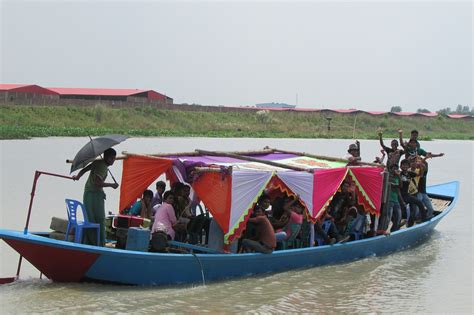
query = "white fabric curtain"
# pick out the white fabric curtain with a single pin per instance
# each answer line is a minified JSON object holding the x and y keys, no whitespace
{"x":300,"y":183}
{"x":246,"y":188}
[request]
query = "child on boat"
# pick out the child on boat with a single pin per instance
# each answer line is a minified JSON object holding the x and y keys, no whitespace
{"x":393,"y":153}
{"x":410,"y":177}
{"x":158,"y":196}
{"x":393,"y":213}
{"x":143,"y":206}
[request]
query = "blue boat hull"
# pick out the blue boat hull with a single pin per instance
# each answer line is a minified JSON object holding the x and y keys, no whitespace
{"x":138,"y":268}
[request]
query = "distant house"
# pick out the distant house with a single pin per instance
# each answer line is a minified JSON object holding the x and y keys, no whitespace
{"x":25,"y":88}
{"x":30,"y":92}
{"x":33,"y":92}
{"x":274,"y":105}
{"x":112,"y":94}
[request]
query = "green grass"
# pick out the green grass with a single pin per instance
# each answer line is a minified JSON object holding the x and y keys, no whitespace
{"x":23,"y":121}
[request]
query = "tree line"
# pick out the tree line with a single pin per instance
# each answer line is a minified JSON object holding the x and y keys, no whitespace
{"x":460,"y":109}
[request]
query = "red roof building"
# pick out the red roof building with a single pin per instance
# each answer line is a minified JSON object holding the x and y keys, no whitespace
{"x":26,"y":88}
{"x":110,"y":94}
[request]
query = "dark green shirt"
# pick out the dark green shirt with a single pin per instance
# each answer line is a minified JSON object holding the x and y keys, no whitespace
{"x":412,"y":152}
{"x":98,"y":168}
{"x":394,"y":188}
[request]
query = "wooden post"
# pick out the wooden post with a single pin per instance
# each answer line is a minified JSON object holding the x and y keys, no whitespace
{"x":196,"y":153}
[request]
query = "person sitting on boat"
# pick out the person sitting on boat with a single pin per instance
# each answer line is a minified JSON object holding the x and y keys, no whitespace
{"x":182,"y":203}
{"x":142,"y":207}
{"x":94,"y":195}
{"x":294,"y":219}
{"x":410,"y":177}
{"x":165,"y":216}
{"x":353,"y":154}
{"x":265,"y":236}
{"x":339,"y":208}
{"x":182,"y":208}
{"x":250,"y":232}
{"x":321,"y":232}
{"x":329,"y":228}
{"x":356,"y":225}
{"x":281,"y":211}
{"x":393,"y":153}
{"x":158,"y":196}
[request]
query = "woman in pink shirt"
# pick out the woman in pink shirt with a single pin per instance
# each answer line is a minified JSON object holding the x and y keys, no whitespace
{"x":165,"y":215}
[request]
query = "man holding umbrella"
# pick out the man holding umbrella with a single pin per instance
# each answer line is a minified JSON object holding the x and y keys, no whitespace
{"x":94,"y":195}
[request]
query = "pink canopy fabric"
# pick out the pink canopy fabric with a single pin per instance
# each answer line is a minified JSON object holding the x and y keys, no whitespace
{"x":325,"y":186}
{"x":369,"y":182}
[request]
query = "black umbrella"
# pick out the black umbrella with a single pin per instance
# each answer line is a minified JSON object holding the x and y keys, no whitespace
{"x":93,"y":149}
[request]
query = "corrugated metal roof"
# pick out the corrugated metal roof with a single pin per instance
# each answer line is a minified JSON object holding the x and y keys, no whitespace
{"x":7,"y":87}
{"x":375,"y":112}
{"x":457,"y":116}
{"x":26,"y":88}
{"x":107,"y":92}
{"x":344,"y":111}
{"x":428,"y":114}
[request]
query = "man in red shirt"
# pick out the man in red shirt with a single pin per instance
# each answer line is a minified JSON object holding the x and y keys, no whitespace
{"x":265,"y":241}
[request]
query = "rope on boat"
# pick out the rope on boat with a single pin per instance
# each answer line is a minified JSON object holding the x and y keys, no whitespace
{"x":202,"y":270}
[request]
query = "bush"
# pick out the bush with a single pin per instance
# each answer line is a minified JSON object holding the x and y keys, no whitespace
{"x":263,"y":117}
{"x":99,"y":111}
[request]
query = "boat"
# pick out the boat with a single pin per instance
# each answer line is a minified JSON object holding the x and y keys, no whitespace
{"x":313,"y":178}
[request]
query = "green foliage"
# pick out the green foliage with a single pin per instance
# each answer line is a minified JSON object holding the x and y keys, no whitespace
{"x":423,"y":110}
{"x":99,"y":112}
{"x":23,"y":121}
{"x":395,"y":109}
{"x":460,"y":109}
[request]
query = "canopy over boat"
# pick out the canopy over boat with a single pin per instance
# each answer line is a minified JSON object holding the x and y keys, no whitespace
{"x":229,"y":184}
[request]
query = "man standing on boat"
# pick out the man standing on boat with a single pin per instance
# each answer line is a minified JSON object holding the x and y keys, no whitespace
{"x":94,"y":195}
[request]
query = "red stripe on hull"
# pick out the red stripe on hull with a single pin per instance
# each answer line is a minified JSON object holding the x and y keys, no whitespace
{"x":58,"y":264}
{"x":7,"y":280}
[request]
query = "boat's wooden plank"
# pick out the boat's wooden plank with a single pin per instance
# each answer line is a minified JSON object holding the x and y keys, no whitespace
{"x":194,"y":153}
{"x":439,"y":204}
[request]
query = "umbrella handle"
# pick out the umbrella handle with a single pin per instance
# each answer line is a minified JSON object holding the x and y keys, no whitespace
{"x":112,"y":176}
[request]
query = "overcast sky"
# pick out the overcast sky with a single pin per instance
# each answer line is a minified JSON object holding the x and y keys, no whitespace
{"x":367,"y":55}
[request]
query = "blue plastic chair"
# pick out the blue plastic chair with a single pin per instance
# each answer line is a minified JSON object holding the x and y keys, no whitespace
{"x":358,"y":233}
{"x":326,"y":225}
{"x":79,"y":226}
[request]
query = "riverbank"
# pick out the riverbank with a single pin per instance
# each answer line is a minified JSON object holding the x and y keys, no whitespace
{"x":23,"y":121}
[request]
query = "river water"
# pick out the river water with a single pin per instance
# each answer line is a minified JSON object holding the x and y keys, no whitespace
{"x":435,"y":277}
